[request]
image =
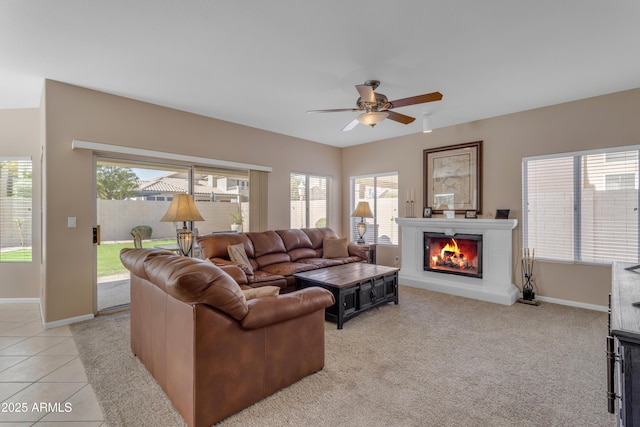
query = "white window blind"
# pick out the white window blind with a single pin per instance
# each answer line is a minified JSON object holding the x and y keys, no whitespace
{"x":15,"y":209}
{"x":308,"y":200}
{"x":381,"y":192}
{"x":582,"y":207}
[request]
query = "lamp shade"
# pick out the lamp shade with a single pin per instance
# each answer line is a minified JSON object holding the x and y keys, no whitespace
{"x":363,"y":210}
{"x":182,"y":208}
{"x":372,"y":118}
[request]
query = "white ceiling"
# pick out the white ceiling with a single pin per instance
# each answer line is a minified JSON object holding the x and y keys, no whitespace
{"x":264,"y":63}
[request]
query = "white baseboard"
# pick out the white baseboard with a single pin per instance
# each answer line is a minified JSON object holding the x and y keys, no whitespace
{"x":19,"y":300}
{"x":64,"y":322}
{"x":574,"y":304}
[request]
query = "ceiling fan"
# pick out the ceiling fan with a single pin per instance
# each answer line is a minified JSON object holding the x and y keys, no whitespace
{"x":376,"y":107}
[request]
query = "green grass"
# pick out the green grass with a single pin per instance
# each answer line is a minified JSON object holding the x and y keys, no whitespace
{"x":108,"y":256}
{"x":23,"y":255}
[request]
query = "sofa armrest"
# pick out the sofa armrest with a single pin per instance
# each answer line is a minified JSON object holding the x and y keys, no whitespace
{"x":361,"y":251}
{"x":267,"y":311}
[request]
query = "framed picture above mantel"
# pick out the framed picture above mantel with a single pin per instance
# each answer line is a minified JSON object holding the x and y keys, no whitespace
{"x":453,"y":178}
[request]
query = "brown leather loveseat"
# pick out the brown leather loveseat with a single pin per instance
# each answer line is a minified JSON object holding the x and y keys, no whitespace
{"x":211,"y":350}
{"x":274,"y":256}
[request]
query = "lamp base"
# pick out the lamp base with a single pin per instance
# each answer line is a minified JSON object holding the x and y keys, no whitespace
{"x":185,"y":241}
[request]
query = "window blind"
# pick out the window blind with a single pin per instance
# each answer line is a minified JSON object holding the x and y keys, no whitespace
{"x":308,"y":200}
{"x":381,"y":192}
{"x":15,"y":209}
{"x":582,"y":207}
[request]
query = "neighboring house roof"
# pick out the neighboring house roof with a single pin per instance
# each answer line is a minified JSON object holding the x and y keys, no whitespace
{"x":167,"y":184}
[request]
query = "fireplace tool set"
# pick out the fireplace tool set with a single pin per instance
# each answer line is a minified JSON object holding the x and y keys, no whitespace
{"x":526,"y":264}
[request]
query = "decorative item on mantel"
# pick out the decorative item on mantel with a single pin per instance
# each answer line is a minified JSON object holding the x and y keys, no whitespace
{"x":526,"y":263}
{"x":183,"y":209}
{"x":410,"y":204}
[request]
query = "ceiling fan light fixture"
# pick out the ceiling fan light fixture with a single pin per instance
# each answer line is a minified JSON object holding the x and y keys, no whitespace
{"x":426,"y":123}
{"x":372,"y":118}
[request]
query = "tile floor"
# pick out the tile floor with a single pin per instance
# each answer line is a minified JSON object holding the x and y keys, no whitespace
{"x":42,"y":381}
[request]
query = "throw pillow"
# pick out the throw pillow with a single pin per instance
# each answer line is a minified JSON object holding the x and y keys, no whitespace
{"x":263,"y":291}
{"x":239,"y":255}
{"x":335,"y":248}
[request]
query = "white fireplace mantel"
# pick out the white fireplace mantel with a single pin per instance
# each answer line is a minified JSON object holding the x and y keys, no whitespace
{"x":496,"y":284}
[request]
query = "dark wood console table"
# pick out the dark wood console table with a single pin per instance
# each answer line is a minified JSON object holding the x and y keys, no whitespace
{"x":356,"y":287}
{"x":623,"y":345}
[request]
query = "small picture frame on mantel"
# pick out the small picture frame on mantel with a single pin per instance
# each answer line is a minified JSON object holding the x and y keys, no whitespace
{"x":427,"y":212}
{"x":471,"y":214}
{"x":502,"y":213}
{"x":449,"y":214}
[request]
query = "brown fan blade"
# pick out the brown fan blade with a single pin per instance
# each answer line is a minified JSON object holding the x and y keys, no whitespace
{"x":353,"y":123}
{"x":412,"y":100}
{"x":366,"y":93}
{"x":405,"y":120}
{"x":335,"y":110}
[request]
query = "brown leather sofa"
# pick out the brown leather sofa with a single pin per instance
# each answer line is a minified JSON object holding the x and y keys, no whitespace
{"x":212,"y":351}
{"x":276,"y":255}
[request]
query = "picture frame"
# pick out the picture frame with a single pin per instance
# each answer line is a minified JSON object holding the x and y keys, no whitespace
{"x":502,"y":213}
{"x":449,"y":214}
{"x":427,"y":212}
{"x":453,"y":177}
{"x":471,"y":214}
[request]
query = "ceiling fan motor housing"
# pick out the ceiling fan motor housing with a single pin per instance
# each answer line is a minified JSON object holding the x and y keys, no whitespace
{"x":381,"y":103}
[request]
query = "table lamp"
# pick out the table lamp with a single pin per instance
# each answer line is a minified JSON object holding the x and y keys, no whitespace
{"x":183,"y":208}
{"x":363,"y":211}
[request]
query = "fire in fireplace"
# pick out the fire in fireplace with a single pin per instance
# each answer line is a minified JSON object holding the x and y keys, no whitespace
{"x":460,"y":254}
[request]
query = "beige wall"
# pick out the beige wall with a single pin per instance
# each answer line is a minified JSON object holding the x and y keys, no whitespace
{"x":605,"y":121}
{"x":20,"y":135}
{"x":77,"y":113}
{"x":69,"y":112}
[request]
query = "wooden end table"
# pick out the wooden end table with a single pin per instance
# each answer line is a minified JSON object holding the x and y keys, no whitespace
{"x":356,"y":287}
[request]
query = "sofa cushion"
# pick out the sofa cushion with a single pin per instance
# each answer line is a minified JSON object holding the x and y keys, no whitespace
{"x":288,"y":268}
{"x":266,"y":242}
{"x":335,"y":248}
{"x":215,"y":245}
{"x":294,"y":239}
{"x":317,"y":236}
{"x":239,"y":255}
{"x":263,"y":291}
{"x":197,"y":281}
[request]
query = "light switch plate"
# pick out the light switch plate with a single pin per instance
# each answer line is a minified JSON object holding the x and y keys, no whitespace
{"x":71,"y":222}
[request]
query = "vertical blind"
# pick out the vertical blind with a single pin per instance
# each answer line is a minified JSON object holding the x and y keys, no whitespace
{"x":308,"y":200}
{"x":15,"y":209}
{"x":381,"y":192}
{"x":582,"y":207}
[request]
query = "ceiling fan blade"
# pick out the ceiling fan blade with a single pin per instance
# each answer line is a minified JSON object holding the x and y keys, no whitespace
{"x":412,"y":100}
{"x":401,"y":118}
{"x":353,"y":123}
{"x":366,"y":93}
{"x":334,"y":110}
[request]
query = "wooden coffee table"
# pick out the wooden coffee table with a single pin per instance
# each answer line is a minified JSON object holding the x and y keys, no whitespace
{"x":356,"y":287}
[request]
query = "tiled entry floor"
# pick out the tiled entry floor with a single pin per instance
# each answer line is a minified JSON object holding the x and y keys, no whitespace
{"x":42,"y":381}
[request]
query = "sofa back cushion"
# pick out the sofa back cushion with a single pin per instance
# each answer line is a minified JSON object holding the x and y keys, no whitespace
{"x":197,"y":281}
{"x":317,"y":236}
{"x":215,"y":245}
{"x":268,"y":248}
{"x":134,"y":259}
{"x":297,"y":244}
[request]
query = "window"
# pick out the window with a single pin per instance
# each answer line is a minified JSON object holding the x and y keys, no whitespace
{"x":381,"y":192}
{"x":582,"y":207}
{"x":308,"y":206}
{"x":15,"y":209}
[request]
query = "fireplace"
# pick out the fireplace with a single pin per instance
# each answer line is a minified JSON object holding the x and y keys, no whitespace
{"x":459,"y":254}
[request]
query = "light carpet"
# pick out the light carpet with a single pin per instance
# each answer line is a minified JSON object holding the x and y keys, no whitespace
{"x":432,"y":360}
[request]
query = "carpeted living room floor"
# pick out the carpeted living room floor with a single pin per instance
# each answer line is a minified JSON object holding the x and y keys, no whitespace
{"x":432,"y":360}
